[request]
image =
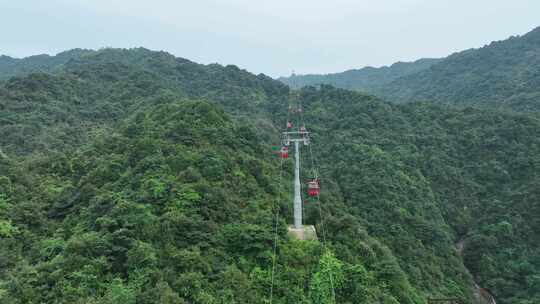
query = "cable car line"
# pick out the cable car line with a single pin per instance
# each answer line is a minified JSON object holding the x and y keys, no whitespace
{"x":296,"y":132}
{"x":316,"y":182}
{"x":284,"y":153}
{"x":276,"y":229}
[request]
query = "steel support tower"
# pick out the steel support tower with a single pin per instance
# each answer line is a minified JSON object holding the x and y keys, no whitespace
{"x":297,"y":138}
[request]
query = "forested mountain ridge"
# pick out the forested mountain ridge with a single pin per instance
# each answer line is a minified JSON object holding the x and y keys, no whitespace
{"x":502,"y":74}
{"x":105,"y":86}
{"x":365,"y":79}
{"x":481,"y":167}
{"x":10,"y":67}
{"x":176,"y":205}
{"x":132,"y":175}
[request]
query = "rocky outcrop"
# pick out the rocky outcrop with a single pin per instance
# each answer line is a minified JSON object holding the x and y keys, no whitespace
{"x":481,"y":295}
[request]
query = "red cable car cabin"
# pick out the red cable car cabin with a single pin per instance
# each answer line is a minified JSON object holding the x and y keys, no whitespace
{"x":313,"y":187}
{"x":289,"y":125}
{"x":284,"y":152}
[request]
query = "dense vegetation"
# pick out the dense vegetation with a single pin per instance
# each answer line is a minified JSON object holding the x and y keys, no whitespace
{"x":10,"y":67}
{"x":503,"y":74}
{"x":478,"y":169}
{"x":366,"y":79}
{"x":132,"y":176}
{"x":46,"y":111}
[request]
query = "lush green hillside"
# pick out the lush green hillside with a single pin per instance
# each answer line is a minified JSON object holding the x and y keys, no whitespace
{"x":366,"y":79}
{"x":478,"y":169}
{"x":130,"y":176}
{"x":51,"y":111}
{"x":501,"y":74}
{"x":176,"y":205}
{"x":10,"y":67}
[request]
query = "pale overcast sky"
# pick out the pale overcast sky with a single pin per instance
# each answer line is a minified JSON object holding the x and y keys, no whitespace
{"x":267,"y":36}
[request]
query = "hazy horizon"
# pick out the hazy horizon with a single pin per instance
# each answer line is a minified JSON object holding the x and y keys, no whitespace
{"x":274,"y":38}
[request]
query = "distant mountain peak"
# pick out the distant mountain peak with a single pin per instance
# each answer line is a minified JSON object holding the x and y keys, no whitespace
{"x":502,"y":73}
{"x":363,"y":79}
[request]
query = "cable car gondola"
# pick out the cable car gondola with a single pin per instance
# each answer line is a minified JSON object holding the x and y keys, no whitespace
{"x":284,"y":152}
{"x":313,"y":187}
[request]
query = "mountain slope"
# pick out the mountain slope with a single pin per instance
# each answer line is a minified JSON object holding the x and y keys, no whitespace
{"x":52,"y":111}
{"x":10,"y":67}
{"x":366,"y":79}
{"x":501,"y":74}
{"x":164,"y":186}
{"x":176,"y":205}
{"x":480,"y":167}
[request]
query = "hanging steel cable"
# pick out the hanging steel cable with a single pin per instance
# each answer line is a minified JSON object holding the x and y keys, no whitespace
{"x":318,"y":203}
{"x":301,"y":135}
{"x":274,"y":256}
{"x":276,"y":224}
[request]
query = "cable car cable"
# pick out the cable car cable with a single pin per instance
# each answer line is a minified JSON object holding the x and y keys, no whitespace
{"x":300,"y":123}
{"x":276,"y":224}
{"x":323,"y":229}
{"x":316,"y":178}
{"x":274,"y":256}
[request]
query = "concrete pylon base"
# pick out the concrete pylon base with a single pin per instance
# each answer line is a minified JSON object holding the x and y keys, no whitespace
{"x":306,"y":233}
